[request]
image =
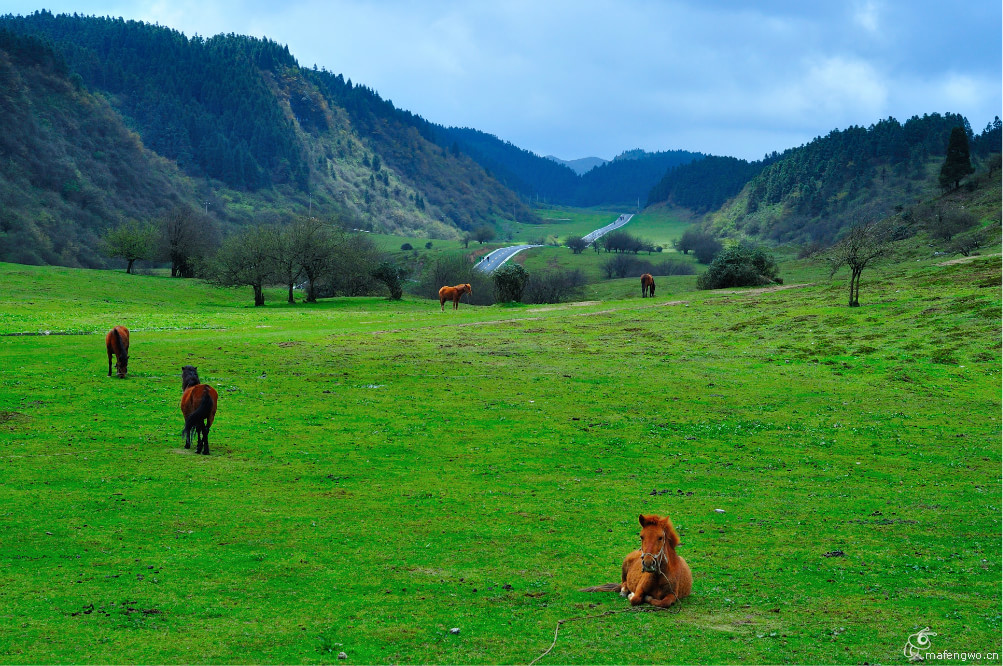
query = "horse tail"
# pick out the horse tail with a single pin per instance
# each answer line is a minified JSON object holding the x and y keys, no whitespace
{"x":200,"y":414}
{"x":118,"y":341}
{"x":608,"y":587}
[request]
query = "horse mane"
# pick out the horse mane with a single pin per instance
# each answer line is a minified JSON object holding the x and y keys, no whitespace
{"x":189,"y":377}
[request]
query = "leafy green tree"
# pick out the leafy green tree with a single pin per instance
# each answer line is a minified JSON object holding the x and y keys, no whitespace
{"x":576,"y":243}
{"x":186,"y":237}
{"x":131,"y":241}
{"x":510,"y":282}
{"x":284,"y":260}
{"x":740,"y":266}
{"x":958,"y":163}
{"x":391,"y":275}
{"x":861,"y":246}
{"x":314,"y":243}
{"x":484,"y":234}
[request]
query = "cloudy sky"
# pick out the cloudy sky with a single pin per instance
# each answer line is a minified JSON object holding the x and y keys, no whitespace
{"x":576,"y":78}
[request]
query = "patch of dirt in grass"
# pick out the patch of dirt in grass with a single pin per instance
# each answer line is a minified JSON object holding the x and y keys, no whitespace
{"x":6,"y":417}
{"x":963,"y":260}
{"x":565,"y":306}
{"x":766,"y":290}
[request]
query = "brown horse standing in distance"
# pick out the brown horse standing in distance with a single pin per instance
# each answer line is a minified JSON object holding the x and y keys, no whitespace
{"x":198,"y":405}
{"x":653,"y":574}
{"x":647,"y":285}
{"x":452,"y":294}
{"x":117,"y":343}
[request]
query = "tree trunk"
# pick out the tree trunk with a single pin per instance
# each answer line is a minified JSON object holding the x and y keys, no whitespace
{"x":128,"y":269}
{"x":259,"y":297}
{"x":291,"y":299}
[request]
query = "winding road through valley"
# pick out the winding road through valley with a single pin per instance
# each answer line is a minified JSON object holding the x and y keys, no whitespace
{"x":493,"y":260}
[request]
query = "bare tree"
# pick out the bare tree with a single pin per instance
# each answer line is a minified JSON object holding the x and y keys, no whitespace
{"x":314,"y":243}
{"x":863,"y":244}
{"x":576,"y":243}
{"x":245,"y":259}
{"x":185,"y":237}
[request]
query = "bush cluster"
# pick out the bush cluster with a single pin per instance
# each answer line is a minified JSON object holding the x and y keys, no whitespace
{"x":740,"y":266}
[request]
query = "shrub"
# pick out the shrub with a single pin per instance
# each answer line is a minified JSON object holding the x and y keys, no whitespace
{"x":740,"y":266}
{"x":407,"y":247}
{"x":554,"y":286}
{"x":510,"y":282}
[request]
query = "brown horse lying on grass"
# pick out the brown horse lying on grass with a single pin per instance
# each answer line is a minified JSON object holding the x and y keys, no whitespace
{"x":117,"y":343}
{"x":647,"y":285}
{"x":452,"y":294}
{"x":198,"y":405}
{"x":653,"y":574}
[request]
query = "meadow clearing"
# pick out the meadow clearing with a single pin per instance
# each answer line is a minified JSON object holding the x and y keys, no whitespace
{"x":382,"y":473}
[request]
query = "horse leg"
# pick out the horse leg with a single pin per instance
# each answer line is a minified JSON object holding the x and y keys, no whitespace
{"x":639,"y":595}
{"x":204,"y":445}
{"x":664,"y":602}
{"x":109,"y":363}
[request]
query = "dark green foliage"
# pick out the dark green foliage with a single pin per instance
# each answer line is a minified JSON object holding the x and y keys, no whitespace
{"x":704,"y":185}
{"x":988,"y":142}
{"x":510,"y":282}
{"x":958,"y":162}
{"x":391,"y":275}
{"x":623,"y":241}
{"x":704,"y":245}
{"x":740,"y":266}
{"x":407,"y":247}
{"x":200,"y":102}
{"x":69,"y":166}
{"x":484,"y":234}
{"x":576,"y":243}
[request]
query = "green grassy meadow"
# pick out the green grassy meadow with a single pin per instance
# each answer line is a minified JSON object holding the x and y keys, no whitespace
{"x":382,"y":472}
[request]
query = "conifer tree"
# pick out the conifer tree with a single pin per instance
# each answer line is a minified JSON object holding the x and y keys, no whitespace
{"x":957,"y":164}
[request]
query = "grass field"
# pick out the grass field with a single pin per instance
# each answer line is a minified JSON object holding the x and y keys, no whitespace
{"x":382,"y":473}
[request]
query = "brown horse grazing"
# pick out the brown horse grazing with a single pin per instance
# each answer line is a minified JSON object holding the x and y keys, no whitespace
{"x":653,"y":574}
{"x":452,"y":294}
{"x":647,"y":285}
{"x":117,"y":343}
{"x":198,"y":405}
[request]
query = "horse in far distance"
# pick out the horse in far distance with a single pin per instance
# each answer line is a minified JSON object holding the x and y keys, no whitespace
{"x":452,"y":294}
{"x":117,"y":343}
{"x":647,"y":285}
{"x":198,"y":405}
{"x":655,"y":573}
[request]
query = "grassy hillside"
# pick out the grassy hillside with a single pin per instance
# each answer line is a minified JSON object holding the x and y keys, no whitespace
{"x":229,"y":124}
{"x":382,"y":473}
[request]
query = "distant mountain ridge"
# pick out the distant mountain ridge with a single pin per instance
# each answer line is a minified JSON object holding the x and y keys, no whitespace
{"x":581,"y":165}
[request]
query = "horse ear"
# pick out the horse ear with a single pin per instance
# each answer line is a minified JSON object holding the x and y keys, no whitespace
{"x":647,"y":520}
{"x":670,"y":532}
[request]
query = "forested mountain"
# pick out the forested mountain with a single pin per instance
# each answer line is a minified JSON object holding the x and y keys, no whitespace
{"x":247,"y":129}
{"x":811,"y":192}
{"x":624,"y":181}
{"x":580,"y":165}
{"x":68,"y":165}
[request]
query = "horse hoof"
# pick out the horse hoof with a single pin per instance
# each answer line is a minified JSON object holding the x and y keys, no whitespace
{"x":630,"y":597}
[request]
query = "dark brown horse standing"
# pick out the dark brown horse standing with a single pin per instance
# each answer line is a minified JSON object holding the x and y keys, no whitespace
{"x":452,"y":294}
{"x":647,"y":285}
{"x":198,"y":404}
{"x":117,"y":343}
{"x":654,"y":574}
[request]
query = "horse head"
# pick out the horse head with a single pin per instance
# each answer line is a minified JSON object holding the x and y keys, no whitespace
{"x":122,"y":364}
{"x":658,"y":542}
{"x":465,"y":289}
{"x":189,"y":377}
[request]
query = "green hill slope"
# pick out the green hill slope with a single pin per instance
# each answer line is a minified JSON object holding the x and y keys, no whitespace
{"x":246,"y":132}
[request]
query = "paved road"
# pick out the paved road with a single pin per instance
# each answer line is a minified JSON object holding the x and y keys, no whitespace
{"x":493,"y":261}
{"x":599,"y":233}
